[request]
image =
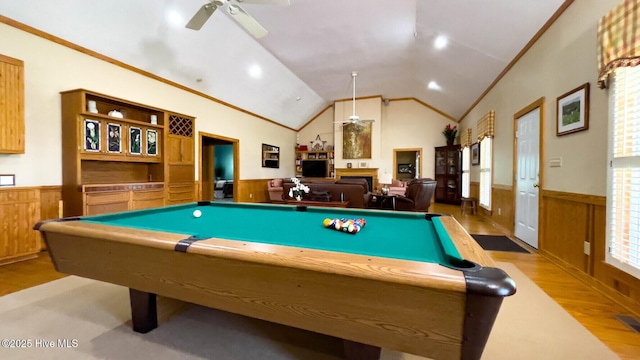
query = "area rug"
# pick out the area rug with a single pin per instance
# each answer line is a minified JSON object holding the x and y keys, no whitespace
{"x":76,"y":318}
{"x":499,"y":243}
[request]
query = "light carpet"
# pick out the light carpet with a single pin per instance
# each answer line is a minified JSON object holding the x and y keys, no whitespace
{"x":530,"y":325}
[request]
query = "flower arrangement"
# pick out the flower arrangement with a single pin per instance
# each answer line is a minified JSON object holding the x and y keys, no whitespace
{"x":297,"y":189}
{"x":450,"y":132}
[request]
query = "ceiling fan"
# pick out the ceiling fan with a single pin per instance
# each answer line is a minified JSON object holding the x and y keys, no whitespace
{"x":354,"y":119}
{"x":236,"y":11}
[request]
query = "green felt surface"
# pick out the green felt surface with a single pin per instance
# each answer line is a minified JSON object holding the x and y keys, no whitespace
{"x":400,"y":235}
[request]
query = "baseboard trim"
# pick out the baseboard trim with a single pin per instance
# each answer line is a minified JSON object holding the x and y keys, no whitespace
{"x":628,"y":303}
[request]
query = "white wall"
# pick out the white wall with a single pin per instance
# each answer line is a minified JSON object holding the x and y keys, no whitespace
{"x":561,"y":60}
{"x":402,"y":124}
{"x":51,"y":68}
{"x":409,"y":124}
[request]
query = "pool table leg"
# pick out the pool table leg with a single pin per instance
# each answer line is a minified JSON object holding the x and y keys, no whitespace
{"x":359,"y":351}
{"x":144,"y":313}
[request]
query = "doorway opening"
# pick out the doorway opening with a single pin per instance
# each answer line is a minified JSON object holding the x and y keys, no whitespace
{"x":406,"y":164}
{"x":218,"y":170}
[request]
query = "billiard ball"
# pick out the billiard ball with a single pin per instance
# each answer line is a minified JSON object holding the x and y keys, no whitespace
{"x":197,"y":213}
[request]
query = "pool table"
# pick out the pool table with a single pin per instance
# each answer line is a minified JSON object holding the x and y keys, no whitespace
{"x":412,"y":282}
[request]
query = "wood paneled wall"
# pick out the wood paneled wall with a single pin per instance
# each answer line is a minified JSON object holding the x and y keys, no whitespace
{"x":502,"y":213}
{"x":253,"y":190}
{"x":567,"y":221}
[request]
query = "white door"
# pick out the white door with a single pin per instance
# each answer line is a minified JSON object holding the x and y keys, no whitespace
{"x":527,"y":176}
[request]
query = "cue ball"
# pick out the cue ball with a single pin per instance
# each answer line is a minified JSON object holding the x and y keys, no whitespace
{"x":197,"y":213}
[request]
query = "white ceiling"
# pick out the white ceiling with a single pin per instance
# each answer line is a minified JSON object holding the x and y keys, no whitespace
{"x":311,"y":48}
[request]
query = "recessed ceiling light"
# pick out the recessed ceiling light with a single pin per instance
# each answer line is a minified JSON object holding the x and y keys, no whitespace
{"x":298,"y":98}
{"x":255,"y":71}
{"x":174,"y":18}
{"x":440,"y":42}
{"x":434,"y":86}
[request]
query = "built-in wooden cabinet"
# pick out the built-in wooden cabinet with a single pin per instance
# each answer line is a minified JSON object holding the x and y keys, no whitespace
{"x":448,"y":174}
{"x":117,"y":155}
{"x":180,"y":169}
{"x":321,"y":155}
{"x":11,"y":105}
{"x":19,"y":212}
{"x":108,"y":198}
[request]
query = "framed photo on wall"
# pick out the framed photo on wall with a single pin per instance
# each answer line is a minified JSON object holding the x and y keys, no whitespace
{"x":404,"y":168}
{"x":572,"y":111}
{"x":475,"y":154}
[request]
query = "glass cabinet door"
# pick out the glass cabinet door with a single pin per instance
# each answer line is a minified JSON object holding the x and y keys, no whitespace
{"x":440,"y":163}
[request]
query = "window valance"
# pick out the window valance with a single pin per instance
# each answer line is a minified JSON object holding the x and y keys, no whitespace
{"x":465,"y":139}
{"x":618,"y":39}
{"x":486,"y":125}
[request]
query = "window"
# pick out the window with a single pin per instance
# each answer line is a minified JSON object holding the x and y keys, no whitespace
{"x":485,"y":172}
{"x":623,"y":176}
{"x":466,"y":167}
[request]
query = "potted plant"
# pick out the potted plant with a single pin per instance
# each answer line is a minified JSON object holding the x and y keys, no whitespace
{"x":449,"y":133}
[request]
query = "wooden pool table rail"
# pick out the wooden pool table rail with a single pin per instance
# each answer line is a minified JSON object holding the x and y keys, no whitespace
{"x":408,"y":306}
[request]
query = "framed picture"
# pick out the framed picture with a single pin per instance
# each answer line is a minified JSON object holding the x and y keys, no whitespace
{"x":404,"y":168}
{"x":152,"y":142}
{"x":572,"y":111}
{"x":114,"y":138}
{"x":271,"y":156}
{"x":349,"y":165}
{"x":91,"y":135}
{"x":363,"y":164}
{"x":135,"y":140}
{"x":312,"y":156}
{"x":475,"y":154}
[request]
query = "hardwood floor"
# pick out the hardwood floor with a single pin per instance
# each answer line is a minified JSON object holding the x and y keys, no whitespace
{"x":591,"y":308}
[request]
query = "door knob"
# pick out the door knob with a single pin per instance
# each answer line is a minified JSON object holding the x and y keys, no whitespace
{"x":536,"y":185}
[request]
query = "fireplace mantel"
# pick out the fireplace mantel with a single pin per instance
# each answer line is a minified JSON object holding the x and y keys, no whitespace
{"x":373,"y":172}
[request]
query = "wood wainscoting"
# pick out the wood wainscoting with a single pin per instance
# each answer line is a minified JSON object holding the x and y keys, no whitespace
{"x":572,"y":223}
{"x":253,"y":190}
{"x":502,"y":213}
{"x":21,"y":209}
{"x":569,"y":222}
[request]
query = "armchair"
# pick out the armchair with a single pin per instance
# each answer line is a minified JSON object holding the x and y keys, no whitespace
{"x":398,"y":187}
{"x":418,"y":195}
{"x":275,"y":188}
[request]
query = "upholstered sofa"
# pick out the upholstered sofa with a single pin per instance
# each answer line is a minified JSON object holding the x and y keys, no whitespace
{"x":356,"y":191}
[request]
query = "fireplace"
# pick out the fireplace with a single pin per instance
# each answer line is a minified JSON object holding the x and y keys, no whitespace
{"x":368,"y":178}
{"x":370,"y":174}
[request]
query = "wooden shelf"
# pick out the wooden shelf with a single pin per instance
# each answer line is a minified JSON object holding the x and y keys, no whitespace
{"x":103,"y":152}
{"x":315,"y":155}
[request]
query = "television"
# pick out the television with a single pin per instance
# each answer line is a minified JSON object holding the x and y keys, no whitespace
{"x":314,"y":168}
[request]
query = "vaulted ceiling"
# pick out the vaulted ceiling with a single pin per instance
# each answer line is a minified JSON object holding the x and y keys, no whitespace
{"x":305,"y":61}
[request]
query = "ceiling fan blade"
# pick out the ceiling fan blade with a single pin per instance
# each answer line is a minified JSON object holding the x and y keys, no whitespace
{"x":201,"y":16}
{"x":247,"y":21}
{"x":266,"y":2}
